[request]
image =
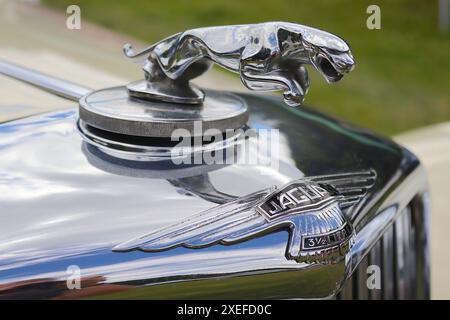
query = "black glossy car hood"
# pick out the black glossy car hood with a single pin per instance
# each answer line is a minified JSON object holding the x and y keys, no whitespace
{"x":62,"y":204}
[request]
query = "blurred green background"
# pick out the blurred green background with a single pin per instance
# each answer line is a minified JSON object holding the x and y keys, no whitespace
{"x":402,"y":77}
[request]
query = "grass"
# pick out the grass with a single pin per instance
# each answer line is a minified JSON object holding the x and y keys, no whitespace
{"x":402,"y":78}
{"x":312,"y":282}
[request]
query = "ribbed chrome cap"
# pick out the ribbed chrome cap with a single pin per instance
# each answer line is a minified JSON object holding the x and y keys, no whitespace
{"x":114,"y":110}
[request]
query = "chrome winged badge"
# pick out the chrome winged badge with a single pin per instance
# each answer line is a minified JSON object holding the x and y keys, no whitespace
{"x":310,"y":209}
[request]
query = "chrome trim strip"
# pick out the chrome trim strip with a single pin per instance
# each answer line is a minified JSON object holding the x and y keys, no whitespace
{"x":421,"y":218}
{"x":375,"y":259}
{"x":361,"y":290}
{"x":50,"y":84}
{"x":388,"y":273}
{"x":401,"y":268}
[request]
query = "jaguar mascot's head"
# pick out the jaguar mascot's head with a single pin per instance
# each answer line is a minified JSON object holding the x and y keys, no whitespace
{"x":329,"y":54}
{"x":301,"y":45}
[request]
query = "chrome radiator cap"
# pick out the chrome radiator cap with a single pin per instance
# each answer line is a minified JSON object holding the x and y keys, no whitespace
{"x":114,"y":110}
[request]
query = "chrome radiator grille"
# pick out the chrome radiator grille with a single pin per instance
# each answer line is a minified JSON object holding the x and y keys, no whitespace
{"x":401,"y":254}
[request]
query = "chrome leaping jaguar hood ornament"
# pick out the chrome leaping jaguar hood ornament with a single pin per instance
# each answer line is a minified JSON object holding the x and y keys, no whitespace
{"x":268,"y":56}
{"x":310,"y":209}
